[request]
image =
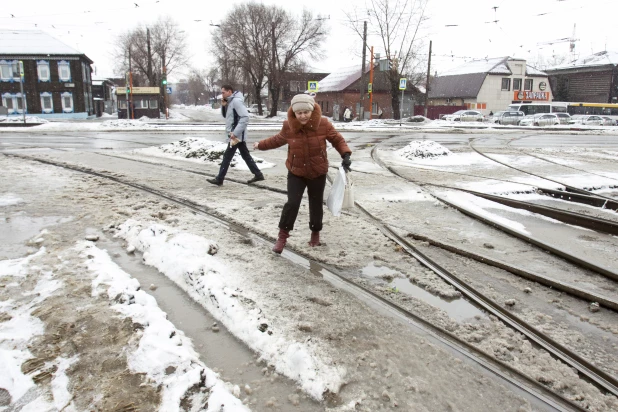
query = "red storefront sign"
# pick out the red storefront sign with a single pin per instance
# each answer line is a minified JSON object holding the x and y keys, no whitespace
{"x":530,"y":95}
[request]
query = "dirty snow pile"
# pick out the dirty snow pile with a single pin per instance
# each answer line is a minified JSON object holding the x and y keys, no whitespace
{"x":201,"y":150}
{"x":20,"y":119}
{"x":423,"y":149}
{"x":124,"y":123}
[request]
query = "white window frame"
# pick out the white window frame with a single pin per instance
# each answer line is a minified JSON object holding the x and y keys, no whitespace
{"x":6,"y":70}
{"x":51,"y":101}
{"x":6,"y":98}
{"x":62,"y":64}
{"x":15,"y":68}
{"x":66,"y":109}
{"x":143,"y":103}
{"x":13,"y":99}
{"x":153,"y":103}
{"x":40,"y":65}
{"x":122,"y":104}
{"x":529,"y":84}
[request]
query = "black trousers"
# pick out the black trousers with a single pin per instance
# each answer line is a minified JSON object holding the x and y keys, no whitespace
{"x":296,"y":188}
{"x":229,"y":154}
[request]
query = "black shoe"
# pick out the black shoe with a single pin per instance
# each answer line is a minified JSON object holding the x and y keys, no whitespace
{"x":255,"y":178}
{"x":214,"y":181}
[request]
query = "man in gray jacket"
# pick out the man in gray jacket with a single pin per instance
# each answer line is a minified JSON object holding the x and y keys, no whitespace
{"x":236,"y":119}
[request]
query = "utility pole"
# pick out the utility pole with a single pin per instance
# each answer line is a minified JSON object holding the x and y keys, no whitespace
{"x":362,"y":86}
{"x":273,"y":109}
{"x":164,"y":85}
{"x":150,"y":80}
{"x":132,"y":111}
{"x":371,"y":83}
{"x":21,"y":89}
{"x":427,"y":84}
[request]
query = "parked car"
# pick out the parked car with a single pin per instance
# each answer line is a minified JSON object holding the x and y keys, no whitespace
{"x":542,"y":119}
{"x":464,"y":116}
{"x":254,"y":108}
{"x":507,"y":117}
{"x":608,"y":121}
{"x":565,"y":118}
{"x":587,"y":119}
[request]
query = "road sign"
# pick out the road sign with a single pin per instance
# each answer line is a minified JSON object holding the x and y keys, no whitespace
{"x":169,"y":90}
{"x":370,"y":88}
{"x":402,"y":84}
{"x":312,"y":86}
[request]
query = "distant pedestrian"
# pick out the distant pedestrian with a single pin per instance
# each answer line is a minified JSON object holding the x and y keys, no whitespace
{"x":380,"y":112}
{"x":347,"y":114}
{"x":305,"y":132}
{"x":236,"y":120}
{"x":491,"y":113}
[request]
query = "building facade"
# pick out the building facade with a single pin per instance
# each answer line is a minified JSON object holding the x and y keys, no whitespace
{"x":104,"y":96}
{"x":56,"y":78}
{"x":142,"y":101}
{"x":490,"y":85}
{"x":342,"y":89}
{"x":590,"y":79}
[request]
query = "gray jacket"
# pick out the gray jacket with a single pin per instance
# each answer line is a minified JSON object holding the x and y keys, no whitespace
{"x":236,"y":116}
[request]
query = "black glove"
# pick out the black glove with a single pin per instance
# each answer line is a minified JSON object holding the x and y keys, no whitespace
{"x":346,"y":162}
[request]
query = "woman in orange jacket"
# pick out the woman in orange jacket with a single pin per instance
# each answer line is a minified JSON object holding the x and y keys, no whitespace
{"x":305,"y":132}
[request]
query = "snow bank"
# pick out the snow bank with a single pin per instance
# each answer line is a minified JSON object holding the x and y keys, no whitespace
{"x":201,"y":150}
{"x":29,"y":119}
{"x":163,"y":353}
{"x":423,"y":149}
{"x":190,"y":262}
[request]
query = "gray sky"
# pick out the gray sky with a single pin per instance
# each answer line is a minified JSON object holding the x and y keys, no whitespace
{"x":460,"y":30}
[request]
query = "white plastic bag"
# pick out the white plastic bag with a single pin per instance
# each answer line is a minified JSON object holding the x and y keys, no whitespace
{"x":348,"y":194}
{"x":337,"y":192}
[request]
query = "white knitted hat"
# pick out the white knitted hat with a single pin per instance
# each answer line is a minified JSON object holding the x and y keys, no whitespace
{"x":302,"y":102}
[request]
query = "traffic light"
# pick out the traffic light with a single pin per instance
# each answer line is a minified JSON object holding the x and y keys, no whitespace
{"x":128,"y":89}
{"x":390,"y":64}
{"x":164,"y":81}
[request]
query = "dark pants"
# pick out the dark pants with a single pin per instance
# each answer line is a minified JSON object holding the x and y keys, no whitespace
{"x":229,"y":154}
{"x":296,"y":188}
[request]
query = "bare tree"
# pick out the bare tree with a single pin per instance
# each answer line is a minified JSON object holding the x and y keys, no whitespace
{"x":396,"y":24}
{"x":243,"y":40}
{"x":257,"y":44}
{"x":291,"y":38}
{"x":156,"y":45}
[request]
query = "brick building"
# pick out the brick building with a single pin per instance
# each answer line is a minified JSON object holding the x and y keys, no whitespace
{"x":342,"y":89}
{"x":590,"y":79}
{"x":57,"y":78}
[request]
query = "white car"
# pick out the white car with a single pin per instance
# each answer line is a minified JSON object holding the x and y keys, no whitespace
{"x":587,"y":119}
{"x":464,"y":116}
{"x":507,"y":117}
{"x":254,"y":108}
{"x":608,"y":121}
{"x":565,"y":118}
{"x":543,"y":119}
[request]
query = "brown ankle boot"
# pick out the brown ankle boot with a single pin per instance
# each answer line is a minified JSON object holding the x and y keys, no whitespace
{"x":315,"y":239}
{"x":281,"y":240}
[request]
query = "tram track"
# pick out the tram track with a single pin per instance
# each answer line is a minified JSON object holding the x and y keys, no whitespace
{"x":568,"y":188}
{"x":589,"y":372}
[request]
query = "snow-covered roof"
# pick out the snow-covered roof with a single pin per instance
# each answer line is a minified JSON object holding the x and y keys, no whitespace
{"x":32,"y":42}
{"x":603,"y":58}
{"x":494,"y":65}
{"x":97,"y":82}
{"x":340,"y":79}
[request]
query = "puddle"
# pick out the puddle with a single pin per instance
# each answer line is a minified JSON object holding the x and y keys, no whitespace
{"x":458,"y":309}
{"x":219,"y":351}
{"x":17,"y":228}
